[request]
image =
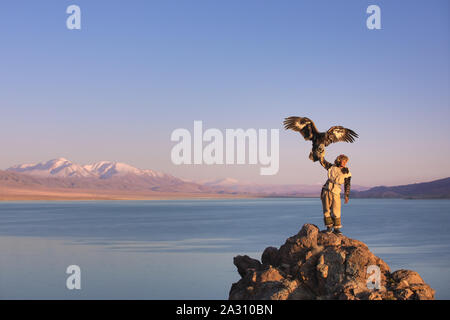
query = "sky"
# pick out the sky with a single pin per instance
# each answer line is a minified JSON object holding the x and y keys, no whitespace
{"x":137,"y":70}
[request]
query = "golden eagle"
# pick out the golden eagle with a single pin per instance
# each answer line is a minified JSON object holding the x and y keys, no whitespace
{"x":320,"y":140}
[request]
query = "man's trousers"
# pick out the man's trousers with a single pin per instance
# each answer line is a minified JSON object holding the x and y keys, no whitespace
{"x":331,"y":203}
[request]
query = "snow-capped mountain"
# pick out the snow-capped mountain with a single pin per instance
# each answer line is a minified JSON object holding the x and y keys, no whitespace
{"x":64,"y":168}
{"x":60,"y":167}
{"x":108,"y":169}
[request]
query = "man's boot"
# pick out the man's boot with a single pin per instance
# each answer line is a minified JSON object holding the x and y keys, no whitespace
{"x":329,"y":224}
{"x":337,"y":225}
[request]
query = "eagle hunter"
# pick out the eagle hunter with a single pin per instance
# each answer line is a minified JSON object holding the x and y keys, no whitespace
{"x":320,"y":140}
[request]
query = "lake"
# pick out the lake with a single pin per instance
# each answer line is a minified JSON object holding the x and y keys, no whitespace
{"x":184,"y":249}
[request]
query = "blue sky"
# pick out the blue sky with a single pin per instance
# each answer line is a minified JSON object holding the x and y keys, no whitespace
{"x":137,"y":70}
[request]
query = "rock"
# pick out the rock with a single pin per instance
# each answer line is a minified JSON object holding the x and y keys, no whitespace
{"x":270,"y":256}
{"x":245,"y":263}
{"x":318,"y":265}
{"x":407,"y":283}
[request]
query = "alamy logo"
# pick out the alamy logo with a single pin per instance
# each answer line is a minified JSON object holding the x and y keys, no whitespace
{"x":374,"y":279}
{"x":74,"y":280}
{"x":374,"y":20}
{"x":74,"y":20}
{"x":229,"y":150}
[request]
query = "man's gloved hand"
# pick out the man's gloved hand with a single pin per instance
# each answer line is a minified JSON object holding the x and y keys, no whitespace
{"x":346,"y":199}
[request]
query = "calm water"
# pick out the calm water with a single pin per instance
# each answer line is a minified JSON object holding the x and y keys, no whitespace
{"x":185,"y":249}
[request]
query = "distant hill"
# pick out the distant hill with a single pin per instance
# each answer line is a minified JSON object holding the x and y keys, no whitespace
{"x":437,"y":189}
{"x":228,"y":185}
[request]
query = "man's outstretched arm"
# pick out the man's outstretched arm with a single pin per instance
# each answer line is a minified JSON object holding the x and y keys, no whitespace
{"x":325,"y":163}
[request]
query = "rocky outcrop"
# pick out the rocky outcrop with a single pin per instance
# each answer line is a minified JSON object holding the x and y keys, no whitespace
{"x":316,"y":265}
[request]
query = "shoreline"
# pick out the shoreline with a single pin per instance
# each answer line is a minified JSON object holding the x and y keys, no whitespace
{"x":44,"y":194}
{"x":12,"y":195}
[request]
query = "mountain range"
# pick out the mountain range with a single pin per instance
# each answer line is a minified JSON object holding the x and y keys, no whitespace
{"x":64,"y":168}
{"x":121,"y":176}
{"x":103,"y":175}
{"x":112,"y":180}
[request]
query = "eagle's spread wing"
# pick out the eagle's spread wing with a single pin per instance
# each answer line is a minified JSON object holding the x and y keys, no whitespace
{"x":303,"y":125}
{"x":338,"y":133}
